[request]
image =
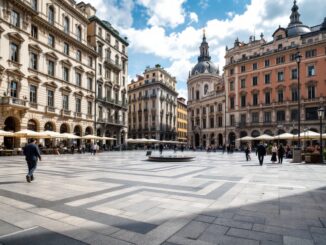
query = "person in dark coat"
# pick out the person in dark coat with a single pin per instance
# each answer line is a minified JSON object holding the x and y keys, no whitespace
{"x":32,"y":155}
{"x":280,"y":153}
{"x":261,"y":151}
{"x":160,"y":148}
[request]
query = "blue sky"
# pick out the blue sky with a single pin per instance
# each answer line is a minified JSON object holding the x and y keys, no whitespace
{"x":169,"y":32}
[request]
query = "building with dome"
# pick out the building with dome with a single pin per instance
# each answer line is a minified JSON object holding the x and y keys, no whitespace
{"x":261,"y":81}
{"x":206,"y":98}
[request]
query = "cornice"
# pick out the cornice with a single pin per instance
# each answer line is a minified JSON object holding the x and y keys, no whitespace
{"x":72,"y":10}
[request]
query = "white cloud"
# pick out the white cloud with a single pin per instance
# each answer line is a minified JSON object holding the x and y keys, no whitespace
{"x":193,"y":17}
{"x":183,"y":93}
{"x":164,"y":12}
{"x":203,"y":4}
{"x":230,"y":14}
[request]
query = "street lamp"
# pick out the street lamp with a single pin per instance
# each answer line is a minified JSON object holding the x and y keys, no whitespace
{"x":298,"y":60}
{"x":321,"y":115}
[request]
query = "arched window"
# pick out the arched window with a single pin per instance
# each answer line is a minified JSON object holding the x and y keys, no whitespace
{"x":205,"y":89}
{"x":34,"y":4}
{"x":66,"y":24}
{"x":31,"y":125}
{"x":51,"y":14}
{"x":79,"y":33}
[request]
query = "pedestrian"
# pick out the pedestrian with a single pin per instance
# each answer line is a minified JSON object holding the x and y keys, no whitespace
{"x":274,"y":152}
{"x":161,"y":148}
{"x":261,"y":151}
{"x":280,"y":153}
{"x":182,"y":147}
{"x":247,"y":151}
{"x":223,"y":148}
{"x":32,"y":155}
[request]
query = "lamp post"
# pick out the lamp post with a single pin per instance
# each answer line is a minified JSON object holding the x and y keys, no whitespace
{"x":298,"y":60}
{"x":321,"y":112}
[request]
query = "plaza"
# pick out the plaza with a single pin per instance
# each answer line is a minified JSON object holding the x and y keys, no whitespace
{"x":120,"y":198}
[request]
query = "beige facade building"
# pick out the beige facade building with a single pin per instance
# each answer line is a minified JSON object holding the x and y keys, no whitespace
{"x":153,"y":105}
{"x":262,"y":81}
{"x":206,"y":99}
{"x":182,"y":120}
{"x":47,"y":68}
{"x":111,"y":80}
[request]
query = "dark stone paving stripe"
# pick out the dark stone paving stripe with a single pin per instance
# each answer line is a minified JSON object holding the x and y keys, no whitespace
{"x":119,"y":222}
{"x":213,"y":177}
{"x":39,"y":236}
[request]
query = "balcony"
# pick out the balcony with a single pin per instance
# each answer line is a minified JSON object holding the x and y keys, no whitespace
{"x":111,"y":63}
{"x":33,"y":105}
{"x":65,"y":113}
{"x":50,"y":109}
{"x":78,"y":115}
{"x":119,"y":103}
{"x":12,"y":102}
{"x":89,"y":116}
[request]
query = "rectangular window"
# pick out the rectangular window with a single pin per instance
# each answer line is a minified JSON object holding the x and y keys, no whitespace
{"x":14,"y":52}
{"x":50,"y":98}
{"x":100,"y":69}
{"x":311,"y":113}
{"x":51,"y":41}
{"x":267,"y":98}
{"x":280,"y":76}
{"x":90,"y":61}
{"x":311,"y":53}
{"x":311,"y":92}
{"x":280,"y":96}
{"x":33,"y":61}
{"x":243,"y":68}
{"x":294,"y":73}
{"x":231,"y":71}
{"x":15,"y":19}
{"x":266,"y":63}
{"x":78,"y":55}
{"x":50,"y":67}
{"x":65,"y":102}
{"x":280,"y":60}
{"x":243,"y":101}
{"x":32,"y":94}
{"x":294,"y":115}
{"x":78,"y":105}
{"x":267,"y":78}
{"x":232,"y":120}
{"x":243,"y":83}
{"x":255,"y":99}
{"x":254,"y":66}
{"x":65,"y":74}
{"x":220,"y":121}
{"x":34,"y":31}
{"x":232,"y":86}
{"x":78,"y":79}
{"x":232,"y":103}
{"x":255,"y":117}
{"x":294,"y":93}
{"x":255,"y":81}
{"x":66,"y":48}
{"x":89,"y":83}
{"x":280,"y":116}
{"x":211,"y":122}
{"x":243,"y":119}
{"x":89,"y":107}
{"x":267,"y":116}
{"x":311,"y":70}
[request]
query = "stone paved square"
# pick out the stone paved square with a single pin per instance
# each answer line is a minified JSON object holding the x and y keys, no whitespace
{"x":120,"y":198}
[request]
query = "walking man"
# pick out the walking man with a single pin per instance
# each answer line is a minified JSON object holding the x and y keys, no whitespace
{"x":32,"y":155}
{"x":261,"y":151}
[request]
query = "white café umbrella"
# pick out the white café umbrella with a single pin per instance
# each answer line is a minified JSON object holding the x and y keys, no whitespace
{"x":285,"y":136}
{"x":91,"y":137}
{"x":107,"y":138}
{"x":308,"y":135}
{"x":246,"y":138}
{"x":25,"y":133}
{"x":53,"y":134}
{"x":6,"y":133}
{"x":264,"y":137}
{"x":69,"y":136}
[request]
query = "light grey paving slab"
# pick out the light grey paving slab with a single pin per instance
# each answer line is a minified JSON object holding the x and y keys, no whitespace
{"x":192,"y":230}
{"x":233,"y":223}
{"x":254,"y":235}
{"x":296,"y":241}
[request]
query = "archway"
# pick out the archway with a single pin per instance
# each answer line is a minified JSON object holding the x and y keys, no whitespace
{"x":78,"y":131}
{"x":108,"y":143}
{"x":313,"y":130}
{"x":268,"y":132}
{"x":243,"y":143}
{"x":32,"y":125}
{"x":255,"y":133}
{"x":204,"y":141}
{"x":232,"y":138}
{"x":212,"y":139}
{"x":11,"y":124}
{"x":197,"y":141}
{"x":64,"y":128}
{"x":49,"y":126}
{"x":122,"y":136}
{"x":280,"y":131}
{"x":220,"y":140}
{"x":88,"y":131}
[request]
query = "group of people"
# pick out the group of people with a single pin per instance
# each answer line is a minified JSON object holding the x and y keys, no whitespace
{"x":278,"y":153}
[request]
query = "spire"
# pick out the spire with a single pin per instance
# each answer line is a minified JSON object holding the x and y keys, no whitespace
{"x":204,"y":53}
{"x":295,"y":16}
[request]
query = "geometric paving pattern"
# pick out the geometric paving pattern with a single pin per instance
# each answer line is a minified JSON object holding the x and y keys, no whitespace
{"x":120,"y":198}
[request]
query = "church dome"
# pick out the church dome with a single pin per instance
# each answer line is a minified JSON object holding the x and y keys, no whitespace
{"x":296,"y":28}
{"x":204,"y":65}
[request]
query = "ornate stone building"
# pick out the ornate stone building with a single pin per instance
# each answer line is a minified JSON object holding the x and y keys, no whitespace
{"x":262,"y":81}
{"x":182,"y":123}
{"x":152,"y":105}
{"x":111,"y":80}
{"x":47,"y":68}
{"x":205,"y":102}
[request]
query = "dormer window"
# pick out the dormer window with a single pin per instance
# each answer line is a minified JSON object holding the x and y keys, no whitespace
{"x":79,"y":33}
{"x":51,"y":15}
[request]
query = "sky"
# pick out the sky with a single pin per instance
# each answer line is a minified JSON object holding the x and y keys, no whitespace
{"x":169,"y":32}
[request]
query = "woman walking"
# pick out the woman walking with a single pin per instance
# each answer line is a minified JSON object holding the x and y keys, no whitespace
{"x":247,"y":151}
{"x":280,"y":153}
{"x":274,"y":152}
